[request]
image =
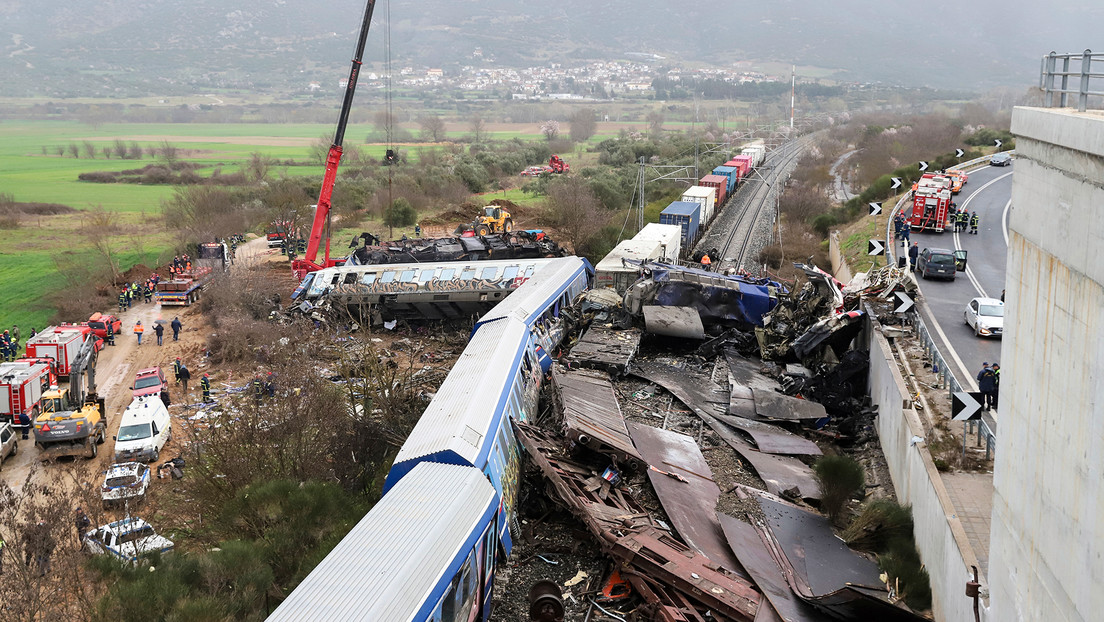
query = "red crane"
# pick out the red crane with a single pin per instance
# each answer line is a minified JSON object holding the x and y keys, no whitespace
{"x":322,"y":211}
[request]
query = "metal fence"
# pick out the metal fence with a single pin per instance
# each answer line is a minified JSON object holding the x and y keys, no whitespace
{"x":1049,"y":71}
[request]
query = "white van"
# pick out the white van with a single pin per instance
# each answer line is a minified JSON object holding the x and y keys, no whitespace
{"x":143,"y":431}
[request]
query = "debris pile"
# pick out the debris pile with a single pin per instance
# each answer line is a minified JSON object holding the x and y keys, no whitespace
{"x":369,"y":250}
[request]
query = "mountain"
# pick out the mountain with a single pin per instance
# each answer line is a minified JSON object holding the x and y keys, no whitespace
{"x":151,"y":47}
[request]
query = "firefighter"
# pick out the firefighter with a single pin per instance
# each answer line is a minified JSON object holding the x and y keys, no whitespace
{"x":5,"y":346}
{"x":176,"y":369}
{"x":147,"y":292}
{"x":270,"y":385}
{"x":974,"y":223}
{"x":122,"y":302}
{"x":205,"y":385}
{"x":963,"y":221}
{"x":258,"y":390}
{"x":417,"y":231}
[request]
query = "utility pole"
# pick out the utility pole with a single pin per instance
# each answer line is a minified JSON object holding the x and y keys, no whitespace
{"x":793,"y":91}
{"x":640,"y":194}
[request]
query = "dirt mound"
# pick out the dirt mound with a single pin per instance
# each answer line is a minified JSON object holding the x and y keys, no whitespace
{"x":450,"y":217}
{"x":138,"y":272}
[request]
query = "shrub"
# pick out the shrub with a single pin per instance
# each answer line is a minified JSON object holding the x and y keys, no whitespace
{"x":400,"y":214}
{"x":907,"y":574}
{"x":881,"y":522}
{"x":840,"y":478}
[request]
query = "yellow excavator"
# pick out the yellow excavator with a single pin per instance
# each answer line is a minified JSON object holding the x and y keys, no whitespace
{"x":494,"y":219}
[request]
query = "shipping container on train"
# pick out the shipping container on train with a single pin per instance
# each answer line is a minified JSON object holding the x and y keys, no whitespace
{"x":731,"y":173}
{"x":686,"y":215}
{"x":704,"y":195}
{"x":720,"y":184}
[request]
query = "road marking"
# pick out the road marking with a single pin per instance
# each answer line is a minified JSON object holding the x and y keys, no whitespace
{"x":950,"y":347}
{"x":969,"y":272}
{"x":1004,"y":221}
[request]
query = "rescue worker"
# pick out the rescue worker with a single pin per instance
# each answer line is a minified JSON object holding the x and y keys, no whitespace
{"x":176,"y":326}
{"x":417,"y":231}
{"x":914,"y":252}
{"x":5,"y":346}
{"x":138,"y":330}
{"x":987,"y":384}
{"x":996,"y":384}
{"x":270,"y":385}
{"x":205,"y":385}
{"x":258,"y":390}
{"x":159,"y":330}
{"x":147,"y":293}
{"x":122,"y":302}
{"x":706,"y":262}
{"x":15,"y":334}
{"x":176,"y":369}
{"x":974,"y":223}
{"x":109,"y":333}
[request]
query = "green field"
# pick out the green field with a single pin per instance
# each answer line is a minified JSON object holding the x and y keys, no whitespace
{"x":31,"y":171}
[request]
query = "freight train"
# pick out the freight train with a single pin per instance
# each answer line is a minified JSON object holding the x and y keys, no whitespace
{"x":429,"y":549}
{"x":699,"y":203}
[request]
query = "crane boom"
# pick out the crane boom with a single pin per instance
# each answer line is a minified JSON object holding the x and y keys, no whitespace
{"x":322,"y":212}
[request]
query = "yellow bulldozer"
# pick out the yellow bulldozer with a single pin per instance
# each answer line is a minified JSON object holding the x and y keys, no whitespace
{"x":494,"y":219}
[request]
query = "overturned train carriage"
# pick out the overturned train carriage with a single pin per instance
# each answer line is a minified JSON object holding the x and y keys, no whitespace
{"x":440,"y":290}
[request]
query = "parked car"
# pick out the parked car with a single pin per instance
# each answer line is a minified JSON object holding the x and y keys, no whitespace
{"x":1000,"y":159}
{"x":535,"y":171}
{"x":128,"y":540}
{"x":144,"y":430}
{"x":985,"y":316}
{"x":123,"y":481}
{"x":9,"y":446}
{"x":149,"y":382}
{"x":936,"y":262}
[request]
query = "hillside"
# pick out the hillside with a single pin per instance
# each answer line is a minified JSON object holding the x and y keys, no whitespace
{"x":125,"y":47}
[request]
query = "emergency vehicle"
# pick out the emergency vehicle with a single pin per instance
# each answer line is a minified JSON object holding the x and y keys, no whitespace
{"x":931,"y":202}
{"x":22,"y":384}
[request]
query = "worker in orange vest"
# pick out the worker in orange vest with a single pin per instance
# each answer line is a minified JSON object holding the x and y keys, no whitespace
{"x":706,"y":262}
{"x":138,"y":330}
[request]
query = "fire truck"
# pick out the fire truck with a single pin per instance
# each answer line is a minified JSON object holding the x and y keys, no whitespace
{"x":22,"y":384}
{"x":931,"y":203}
{"x":61,"y":343}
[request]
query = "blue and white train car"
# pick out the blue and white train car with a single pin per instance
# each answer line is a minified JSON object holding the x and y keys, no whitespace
{"x":539,"y":302}
{"x":496,"y":378}
{"x":426,"y":553}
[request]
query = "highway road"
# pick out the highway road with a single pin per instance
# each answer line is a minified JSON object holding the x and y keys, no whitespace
{"x":988,"y":192}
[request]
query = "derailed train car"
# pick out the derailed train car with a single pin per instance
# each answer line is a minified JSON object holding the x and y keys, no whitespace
{"x":429,"y":549}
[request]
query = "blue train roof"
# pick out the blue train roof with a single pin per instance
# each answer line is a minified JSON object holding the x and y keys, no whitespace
{"x":542,"y":289}
{"x":470,"y":403}
{"x":682,"y":208}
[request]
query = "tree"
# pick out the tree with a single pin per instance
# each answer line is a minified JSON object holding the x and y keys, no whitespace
{"x":433,"y":127}
{"x":576,"y":212}
{"x":400,"y":214}
{"x":655,"y":122}
{"x":120,"y":149}
{"x":74,"y":150}
{"x":89,"y":150}
{"x":169,"y":153}
{"x":583,"y":124}
{"x":135,"y":151}
{"x":478,"y":128}
{"x":550,"y":129}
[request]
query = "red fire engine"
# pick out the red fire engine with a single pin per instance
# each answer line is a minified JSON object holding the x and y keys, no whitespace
{"x":21,"y":385}
{"x":931,"y":202}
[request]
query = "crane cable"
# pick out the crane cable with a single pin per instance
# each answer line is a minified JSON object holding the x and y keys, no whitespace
{"x":389,"y":124}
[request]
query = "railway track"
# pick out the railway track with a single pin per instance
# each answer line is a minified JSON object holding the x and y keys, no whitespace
{"x":735,"y":231}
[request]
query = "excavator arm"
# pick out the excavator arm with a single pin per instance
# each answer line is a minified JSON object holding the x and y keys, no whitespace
{"x":322,"y":211}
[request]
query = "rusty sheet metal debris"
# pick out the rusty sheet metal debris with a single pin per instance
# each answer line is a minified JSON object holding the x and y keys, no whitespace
{"x":780,"y":473}
{"x":661,"y":557}
{"x":681,"y":322}
{"x":592,"y":415}
{"x":773,"y":405}
{"x":745,"y":541}
{"x":677,"y":583}
{"x":822,"y":570}
{"x":690,"y":501}
{"x":771,"y":439}
{"x":604,"y":348}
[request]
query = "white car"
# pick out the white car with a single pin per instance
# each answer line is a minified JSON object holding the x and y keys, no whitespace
{"x":985,"y":316}
{"x":125,"y":480}
{"x":128,"y":540}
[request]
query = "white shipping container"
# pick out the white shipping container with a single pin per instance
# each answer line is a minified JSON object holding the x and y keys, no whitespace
{"x":611,"y":272}
{"x":669,"y":235}
{"x":704,"y":196}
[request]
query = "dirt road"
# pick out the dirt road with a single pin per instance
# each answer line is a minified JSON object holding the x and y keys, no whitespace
{"x":114,"y":374}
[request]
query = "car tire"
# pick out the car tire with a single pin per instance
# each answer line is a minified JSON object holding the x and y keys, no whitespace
{"x":155,"y":455}
{"x":15,"y":448}
{"x":977,"y":330}
{"x":965,"y":318}
{"x":102,"y":438}
{"x":94,"y":449}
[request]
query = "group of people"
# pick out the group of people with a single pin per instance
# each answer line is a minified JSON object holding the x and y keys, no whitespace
{"x":9,"y":343}
{"x":159,"y":330}
{"x":989,"y":385}
{"x":136,"y":291}
{"x":963,"y":219}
